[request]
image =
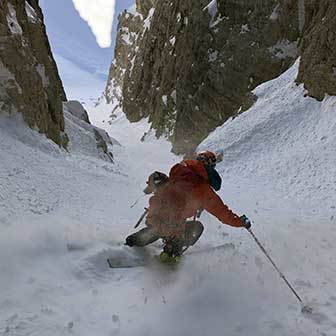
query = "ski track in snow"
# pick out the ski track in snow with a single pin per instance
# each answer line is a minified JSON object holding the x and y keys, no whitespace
{"x":62,"y":214}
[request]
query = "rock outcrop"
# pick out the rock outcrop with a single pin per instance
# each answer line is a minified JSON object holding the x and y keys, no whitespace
{"x":85,"y":138}
{"x":318,"y":56}
{"x":130,"y":27}
{"x":190,"y":65}
{"x":29,"y":80}
{"x":143,"y":6}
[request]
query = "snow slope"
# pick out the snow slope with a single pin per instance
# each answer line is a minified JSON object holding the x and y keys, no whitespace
{"x":62,"y":214}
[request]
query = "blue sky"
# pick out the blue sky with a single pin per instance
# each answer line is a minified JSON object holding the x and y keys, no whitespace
{"x":72,"y":40}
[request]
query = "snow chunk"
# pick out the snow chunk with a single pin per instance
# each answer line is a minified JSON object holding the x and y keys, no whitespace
{"x":12,"y":21}
{"x":127,"y":36}
{"x":212,"y":8}
{"x":244,"y":29}
{"x":213,"y":55}
{"x":132,"y":63}
{"x":173,"y":95}
{"x":284,"y":49}
{"x":147,"y":22}
{"x":275,"y":14}
{"x":31,"y":14}
{"x":172,"y":40}
{"x":41,"y":71}
{"x":165,"y":100}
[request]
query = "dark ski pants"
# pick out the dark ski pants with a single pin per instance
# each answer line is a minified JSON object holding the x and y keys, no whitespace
{"x":148,"y":235}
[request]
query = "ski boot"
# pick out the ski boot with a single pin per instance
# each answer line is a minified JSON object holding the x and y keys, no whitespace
{"x":172,"y":252}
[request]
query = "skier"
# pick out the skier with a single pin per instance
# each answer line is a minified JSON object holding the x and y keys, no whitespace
{"x":190,"y":187}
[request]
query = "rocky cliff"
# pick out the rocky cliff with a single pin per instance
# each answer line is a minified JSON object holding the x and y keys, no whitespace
{"x":190,"y":65}
{"x":318,"y":55}
{"x":29,"y":80}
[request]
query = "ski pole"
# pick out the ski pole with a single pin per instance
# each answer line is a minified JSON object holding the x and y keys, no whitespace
{"x":141,"y":218}
{"x":137,"y":200}
{"x":274,"y":265}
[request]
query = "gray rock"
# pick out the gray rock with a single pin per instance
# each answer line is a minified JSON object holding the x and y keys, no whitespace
{"x":190,"y":67}
{"x":29,"y":80}
{"x":85,"y":138}
{"x":77,"y":109}
{"x":318,"y":57}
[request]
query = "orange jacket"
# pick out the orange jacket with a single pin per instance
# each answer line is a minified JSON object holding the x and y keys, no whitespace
{"x":186,"y":191}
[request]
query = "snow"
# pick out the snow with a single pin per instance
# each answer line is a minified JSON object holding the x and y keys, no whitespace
{"x":127,"y":36}
{"x":295,"y":134}
{"x":213,"y":55}
{"x":244,"y":29}
{"x":212,"y":8}
{"x":165,"y":100}
{"x":31,"y":14}
{"x":279,"y":167}
{"x":12,"y":21}
{"x":172,"y":40}
{"x":174,"y":96}
{"x":41,"y":71}
{"x":148,"y":20}
{"x":275,"y":14}
{"x":284,"y":48}
{"x":62,"y":214}
{"x":99,"y":15}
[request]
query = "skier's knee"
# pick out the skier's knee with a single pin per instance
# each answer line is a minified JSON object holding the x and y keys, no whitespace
{"x":142,"y":238}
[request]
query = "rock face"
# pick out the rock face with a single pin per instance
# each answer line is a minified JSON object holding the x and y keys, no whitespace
{"x":129,"y":28}
{"x":29,"y":80}
{"x":189,"y":65}
{"x":85,"y":138}
{"x":143,"y":6}
{"x":318,"y":60}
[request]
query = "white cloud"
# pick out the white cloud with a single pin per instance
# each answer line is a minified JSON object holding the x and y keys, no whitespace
{"x":99,"y":16}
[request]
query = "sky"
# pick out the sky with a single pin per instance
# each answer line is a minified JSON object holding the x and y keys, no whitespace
{"x":78,"y":42}
{"x":99,"y":15}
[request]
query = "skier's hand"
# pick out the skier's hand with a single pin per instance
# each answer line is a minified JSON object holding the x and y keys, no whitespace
{"x":246,"y":223}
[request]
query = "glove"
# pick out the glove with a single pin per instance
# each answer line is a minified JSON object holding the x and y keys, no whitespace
{"x":246,"y":223}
